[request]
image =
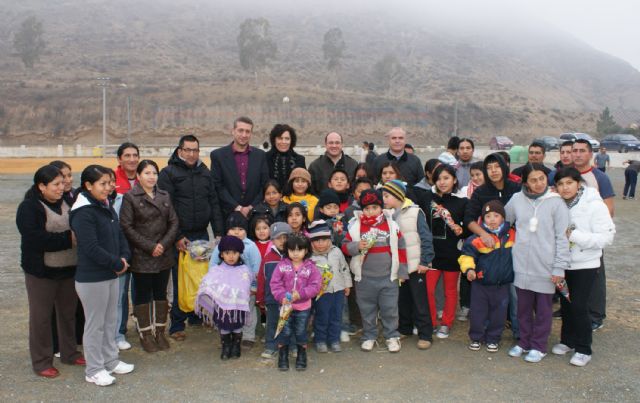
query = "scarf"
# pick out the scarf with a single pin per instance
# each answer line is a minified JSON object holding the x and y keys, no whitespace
{"x":372,"y":221}
{"x":576,"y":199}
{"x":533,"y":196}
{"x":223,"y":289}
{"x":283,"y":164}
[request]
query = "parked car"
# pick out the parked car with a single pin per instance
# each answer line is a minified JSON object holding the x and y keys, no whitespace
{"x":500,"y":143}
{"x":621,"y":143}
{"x":550,"y":143}
{"x":595,"y":144}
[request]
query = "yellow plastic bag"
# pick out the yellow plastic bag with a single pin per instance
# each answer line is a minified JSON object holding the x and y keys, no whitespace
{"x":190,"y":274}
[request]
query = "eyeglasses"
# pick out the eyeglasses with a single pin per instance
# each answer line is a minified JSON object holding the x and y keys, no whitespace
{"x":190,"y":150}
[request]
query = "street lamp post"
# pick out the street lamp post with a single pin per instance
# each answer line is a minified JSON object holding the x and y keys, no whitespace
{"x":104,"y":83}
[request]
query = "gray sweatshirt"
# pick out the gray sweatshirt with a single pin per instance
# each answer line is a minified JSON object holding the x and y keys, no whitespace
{"x":539,"y":255}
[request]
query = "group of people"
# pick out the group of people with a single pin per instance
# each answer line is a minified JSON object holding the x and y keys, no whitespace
{"x":339,"y":244}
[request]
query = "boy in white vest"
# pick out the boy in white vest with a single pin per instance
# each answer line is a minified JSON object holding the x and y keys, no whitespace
{"x":413,"y":304}
{"x":378,"y":262}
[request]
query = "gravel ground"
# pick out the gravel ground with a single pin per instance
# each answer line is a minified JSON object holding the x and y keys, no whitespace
{"x":192,"y":371}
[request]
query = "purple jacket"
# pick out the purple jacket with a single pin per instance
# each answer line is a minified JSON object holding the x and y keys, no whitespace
{"x":307,"y":278}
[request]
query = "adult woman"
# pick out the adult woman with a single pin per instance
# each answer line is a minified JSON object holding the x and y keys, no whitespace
{"x":150,"y":224}
{"x":103,"y":255}
{"x":281,"y":159}
{"x":49,"y":262}
{"x":69,"y":194}
{"x":590,"y":231}
{"x":388,"y":171}
{"x":540,"y":257}
{"x":363,"y":170}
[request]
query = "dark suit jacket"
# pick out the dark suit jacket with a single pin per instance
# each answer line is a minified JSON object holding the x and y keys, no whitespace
{"x":227,"y":179}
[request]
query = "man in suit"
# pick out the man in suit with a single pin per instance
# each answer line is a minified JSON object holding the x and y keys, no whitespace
{"x":239,"y":171}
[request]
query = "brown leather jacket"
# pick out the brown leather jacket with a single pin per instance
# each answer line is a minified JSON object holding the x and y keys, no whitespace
{"x":147,"y":222}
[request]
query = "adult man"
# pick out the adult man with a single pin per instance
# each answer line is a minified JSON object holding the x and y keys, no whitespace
{"x":409,"y":164}
{"x":602,"y":160}
{"x":333,"y":158}
{"x":128,"y":157}
{"x":449,"y":156}
{"x":239,"y":170}
{"x":582,"y":157}
{"x":195,"y":199}
{"x":364,"y":150}
{"x":465,"y":159}
{"x":566,"y":155}
{"x":536,"y":154}
{"x":371,"y":155}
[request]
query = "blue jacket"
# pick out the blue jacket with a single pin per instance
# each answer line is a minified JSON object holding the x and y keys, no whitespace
{"x":101,"y":243}
{"x":251,"y":257}
{"x":493,"y":266}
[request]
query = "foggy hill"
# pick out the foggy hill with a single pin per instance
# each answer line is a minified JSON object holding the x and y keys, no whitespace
{"x":179,"y":60}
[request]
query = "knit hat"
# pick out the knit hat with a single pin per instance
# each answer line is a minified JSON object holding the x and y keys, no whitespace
{"x":231,"y":243}
{"x":395,"y":188}
{"x":279,"y":228}
{"x":495,"y":206}
{"x":318,"y":229}
{"x":328,"y":196}
{"x":300,"y":173}
{"x":370,"y":196}
{"x":236,"y":219}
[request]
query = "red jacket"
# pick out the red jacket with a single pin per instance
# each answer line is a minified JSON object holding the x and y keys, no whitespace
{"x":122,"y":181}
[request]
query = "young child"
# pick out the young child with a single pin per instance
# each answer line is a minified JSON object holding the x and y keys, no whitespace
{"x":296,"y":281}
{"x":298,"y":190}
{"x":264,"y":298}
{"x":260,"y":232}
{"x":224,"y":296}
{"x":477,"y":179}
{"x":413,"y":305}
{"x":296,"y":216}
{"x":329,"y":211}
{"x":339,"y":182}
{"x":237,"y":226}
{"x":360,"y":185}
{"x":327,"y":324}
{"x":378,"y":261}
{"x":490,"y":270}
{"x":272,"y":203}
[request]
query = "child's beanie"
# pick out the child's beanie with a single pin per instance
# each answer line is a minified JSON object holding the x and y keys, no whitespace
{"x":396,"y":188}
{"x":495,"y":206}
{"x":328,"y":196}
{"x":300,"y":173}
{"x":237,"y":220}
{"x":369,"y":197}
{"x":319,"y":229}
{"x":231,"y":243}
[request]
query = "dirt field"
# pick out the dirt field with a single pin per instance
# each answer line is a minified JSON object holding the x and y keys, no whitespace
{"x":192,"y":371}
{"x":29,"y":165}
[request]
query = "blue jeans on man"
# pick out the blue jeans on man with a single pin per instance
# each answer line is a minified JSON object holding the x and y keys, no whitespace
{"x":125,"y":282}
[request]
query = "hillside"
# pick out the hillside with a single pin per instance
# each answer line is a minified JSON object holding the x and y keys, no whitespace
{"x":179,"y":60}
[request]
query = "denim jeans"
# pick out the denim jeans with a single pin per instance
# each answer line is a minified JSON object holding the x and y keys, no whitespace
{"x":328,"y":321}
{"x":178,"y":317}
{"x":123,"y":305}
{"x":295,"y":326}
{"x":630,"y":180}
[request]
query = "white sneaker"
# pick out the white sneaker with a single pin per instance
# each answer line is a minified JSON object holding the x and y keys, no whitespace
{"x":123,"y":345}
{"x":534,"y":356}
{"x":367,"y":345}
{"x":443,"y":332}
{"x":580,"y":360}
{"x":122,"y":368}
{"x":344,"y":337}
{"x":517,"y":351}
{"x":463,"y":314}
{"x":102,"y":378}
{"x":57,"y":355}
{"x":393,"y":344}
{"x":561,"y":349}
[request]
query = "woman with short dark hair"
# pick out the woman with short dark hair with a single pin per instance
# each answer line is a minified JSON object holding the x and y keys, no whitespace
{"x":281,"y":159}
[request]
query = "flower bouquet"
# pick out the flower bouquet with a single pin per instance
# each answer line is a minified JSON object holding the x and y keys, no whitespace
{"x":370,"y":237}
{"x":200,"y":250}
{"x":327,"y":275}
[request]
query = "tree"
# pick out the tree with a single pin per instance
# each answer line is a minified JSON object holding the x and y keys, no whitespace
{"x":333,"y":48}
{"x":29,"y":42}
{"x":386,"y":71}
{"x":255,"y":45}
{"x":606,"y":124}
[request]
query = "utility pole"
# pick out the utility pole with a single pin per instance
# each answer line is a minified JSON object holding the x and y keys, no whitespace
{"x":129,"y":118}
{"x":104,"y":83}
{"x":455,"y":119}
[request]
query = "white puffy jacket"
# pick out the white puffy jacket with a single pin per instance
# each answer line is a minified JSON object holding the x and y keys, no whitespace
{"x":594,"y":230}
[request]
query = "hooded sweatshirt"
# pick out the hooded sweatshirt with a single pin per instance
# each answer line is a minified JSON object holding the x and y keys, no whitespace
{"x":543,"y":252}
{"x":488,"y":191}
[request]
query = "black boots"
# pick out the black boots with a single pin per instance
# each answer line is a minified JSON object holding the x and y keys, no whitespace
{"x":301,"y":359}
{"x":226,"y":346}
{"x":236,"y":339}
{"x":283,"y":358}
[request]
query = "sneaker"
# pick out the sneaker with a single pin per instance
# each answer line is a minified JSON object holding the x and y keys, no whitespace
{"x":557,"y":314}
{"x":102,"y":378}
{"x":561,"y":349}
{"x":493,"y":347}
{"x":424,"y":344}
{"x":595,"y":326}
{"x":123,"y":345}
{"x":463,"y":315}
{"x":322,"y":348}
{"x":367,"y":345}
{"x":122,"y":368}
{"x":268,"y":354}
{"x":415,"y":331}
{"x":393,"y":344}
{"x":474,"y":346}
{"x":57,"y":355}
{"x":336,"y":348}
{"x":344,"y":337}
{"x":517,"y":351}
{"x":580,"y":360}
{"x":534,"y":356}
{"x":443,"y":332}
